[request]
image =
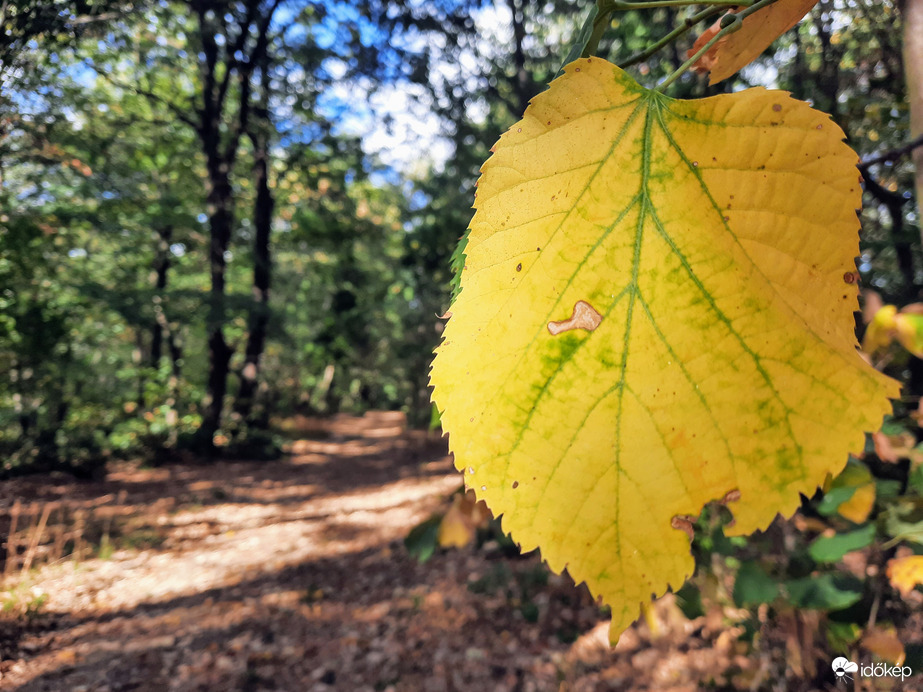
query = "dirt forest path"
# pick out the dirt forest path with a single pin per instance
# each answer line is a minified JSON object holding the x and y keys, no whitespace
{"x":291,"y":575}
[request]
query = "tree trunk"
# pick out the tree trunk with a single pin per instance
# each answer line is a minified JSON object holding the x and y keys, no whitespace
{"x":161,"y":266}
{"x":522,"y":83}
{"x":913,"y":67}
{"x":828,"y":78}
{"x":262,"y":272}
{"x":221,"y":220}
{"x":220,"y":128}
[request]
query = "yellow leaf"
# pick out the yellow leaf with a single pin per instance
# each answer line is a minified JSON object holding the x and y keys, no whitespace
{"x":883,"y":642}
{"x":859,"y":506}
{"x":905,"y":573}
{"x":460,"y":524}
{"x":855,"y":475}
{"x":711,"y":237}
{"x":879,"y":331}
{"x":757,"y":32}
{"x":454,"y":531}
{"x":909,"y":328}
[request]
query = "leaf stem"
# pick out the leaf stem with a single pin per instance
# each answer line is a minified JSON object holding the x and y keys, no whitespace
{"x":600,"y":24}
{"x":687,"y":24}
{"x":604,"y":8}
{"x":734,"y":24}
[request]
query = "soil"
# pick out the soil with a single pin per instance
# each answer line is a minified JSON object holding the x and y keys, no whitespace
{"x":293,"y":575}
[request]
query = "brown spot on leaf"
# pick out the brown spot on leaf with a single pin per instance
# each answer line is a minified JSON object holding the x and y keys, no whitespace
{"x":515,"y":485}
{"x":851,"y":277}
{"x":519,"y":267}
{"x":731,"y":496}
{"x":584,"y":316}
{"x":683,"y":522}
{"x":777,"y":107}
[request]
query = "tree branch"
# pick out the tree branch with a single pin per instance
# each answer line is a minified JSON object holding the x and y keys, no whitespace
{"x":892,"y":154}
{"x":181,"y":114}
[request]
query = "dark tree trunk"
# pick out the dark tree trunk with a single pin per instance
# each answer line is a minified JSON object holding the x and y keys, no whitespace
{"x":220,"y":127}
{"x":262,"y":272}
{"x":221,"y":220}
{"x":161,"y":267}
{"x":828,"y":84}
{"x":522,"y":81}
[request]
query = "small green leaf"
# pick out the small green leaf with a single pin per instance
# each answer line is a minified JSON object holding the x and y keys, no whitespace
{"x":689,"y":600}
{"x":833,"y":499}
{"x":581,"y":39}
{"x":753,"y":586}
{"x":832,"y":548}
{"x":887,"y":489}
{"x":422,"y":540}
{"x":458,"y":263}
{"x":842,"y":635}
{"x":825,"y":592}
{"x":915,"y":479}
{"x":904,"y":521}
{"x":893,"y":426}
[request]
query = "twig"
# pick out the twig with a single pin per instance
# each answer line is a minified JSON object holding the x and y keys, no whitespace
{"x":685,"y":26}
{"x":892,"y":154}
{"x":181,"y":114}
{"x":12,"y":544}
{"x":730,"y":23}
{"x":894,"y":202}
{"x":79,"y":525}
{"x":36,"y":537}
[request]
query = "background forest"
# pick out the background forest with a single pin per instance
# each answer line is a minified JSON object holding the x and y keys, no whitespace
{"x":217,"y":215}
{"x":214,"y":213}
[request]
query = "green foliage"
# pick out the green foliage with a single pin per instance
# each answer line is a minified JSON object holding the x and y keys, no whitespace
{"x":23,"y":601}
{"x":753,"y":586}
{"x":833,"y":548}
{"x":106,"y":269}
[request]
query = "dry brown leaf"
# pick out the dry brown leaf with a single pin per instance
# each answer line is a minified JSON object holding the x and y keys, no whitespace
{"x":883,"y":448}
{"x":883,"y":642}
{"x":742,"y":47}
{"x":707,"y":61}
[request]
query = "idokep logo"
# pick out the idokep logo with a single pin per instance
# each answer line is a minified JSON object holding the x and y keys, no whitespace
{"x":842,"y":667}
